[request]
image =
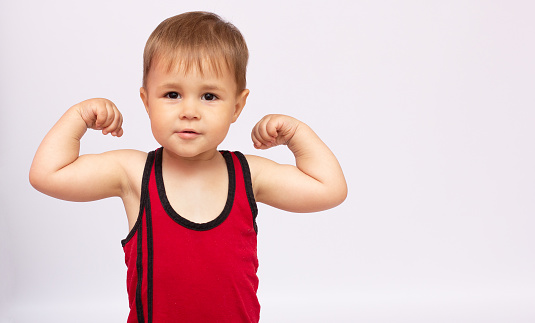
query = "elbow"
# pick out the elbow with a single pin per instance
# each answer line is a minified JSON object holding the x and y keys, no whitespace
{"x":37,"y":180}
{"x":343,"y":195}
{"x":340,"y":195}
{"x":337,"y":190}
{"x":331,"y":198}
{"x":34,"y":179}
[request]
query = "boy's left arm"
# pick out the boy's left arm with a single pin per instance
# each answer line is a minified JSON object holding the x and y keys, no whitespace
{"x":315,"y":183}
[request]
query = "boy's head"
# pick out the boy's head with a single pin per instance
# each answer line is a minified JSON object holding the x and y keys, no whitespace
{"x":197,"y":40}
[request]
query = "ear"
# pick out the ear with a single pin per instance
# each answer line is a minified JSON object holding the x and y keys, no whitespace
{"x":241,"y":99}
{"x":145,"y":98}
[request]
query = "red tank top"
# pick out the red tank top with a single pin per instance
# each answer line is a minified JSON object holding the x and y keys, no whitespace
{"x":182,"y":271}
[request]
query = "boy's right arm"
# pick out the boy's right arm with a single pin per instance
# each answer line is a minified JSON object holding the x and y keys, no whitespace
{"x":58,"y":170}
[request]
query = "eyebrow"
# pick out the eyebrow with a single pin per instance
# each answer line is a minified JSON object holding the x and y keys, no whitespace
{"x":207,"y":87}
{"x":168,"y":85}
{"x":211,"y":87}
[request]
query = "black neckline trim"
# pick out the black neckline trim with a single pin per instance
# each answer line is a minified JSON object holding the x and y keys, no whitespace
{"x":180,"y":219}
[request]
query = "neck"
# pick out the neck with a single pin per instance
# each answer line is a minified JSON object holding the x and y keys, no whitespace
{"x":203,"y":160}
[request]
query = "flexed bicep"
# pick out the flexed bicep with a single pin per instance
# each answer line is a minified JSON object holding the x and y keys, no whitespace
{"x":58,"y":170}
{"x":288,"y":188}
{"x":315,"y":183}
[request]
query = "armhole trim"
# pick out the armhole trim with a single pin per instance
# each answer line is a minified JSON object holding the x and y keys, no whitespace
{"x":248,"y":186}
{"x":144,"y":197}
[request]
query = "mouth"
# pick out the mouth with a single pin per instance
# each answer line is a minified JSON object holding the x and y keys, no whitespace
{"x":188,"y":134}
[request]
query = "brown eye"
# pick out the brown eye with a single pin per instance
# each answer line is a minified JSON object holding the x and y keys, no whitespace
{"x":172,"y":95}
{"x":209,"y":97}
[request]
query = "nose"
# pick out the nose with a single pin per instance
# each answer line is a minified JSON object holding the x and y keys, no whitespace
{"x":189,"y":110}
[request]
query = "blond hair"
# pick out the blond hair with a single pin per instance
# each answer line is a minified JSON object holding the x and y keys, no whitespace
{"x":194,"y":39}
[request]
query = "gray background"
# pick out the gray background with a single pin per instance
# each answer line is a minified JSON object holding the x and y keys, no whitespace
{"x":429,"y":106}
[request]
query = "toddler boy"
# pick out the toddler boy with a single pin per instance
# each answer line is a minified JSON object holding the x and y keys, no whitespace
{"x":191,"y":251}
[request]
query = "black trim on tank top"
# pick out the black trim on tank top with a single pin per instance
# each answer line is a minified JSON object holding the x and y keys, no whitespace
{"x":150,"y":258}
{"x":248,"y":186}
{"x":139,"y":269}
{"x":138,"y":227}
{"x":144,"y":206}
{"x":143,"y":198}
{"x":183,"y":221}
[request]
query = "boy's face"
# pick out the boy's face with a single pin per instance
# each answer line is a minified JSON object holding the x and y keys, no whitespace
{"x":191,"y":113}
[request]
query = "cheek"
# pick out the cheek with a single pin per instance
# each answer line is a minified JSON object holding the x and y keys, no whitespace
{"x":157,"y":122}
{"x":223,"y":129}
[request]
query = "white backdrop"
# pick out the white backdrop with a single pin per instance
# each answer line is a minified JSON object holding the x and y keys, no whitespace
{"x":429,"y":106}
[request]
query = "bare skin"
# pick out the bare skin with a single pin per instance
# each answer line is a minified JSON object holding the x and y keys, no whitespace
{"x":189,"y":121}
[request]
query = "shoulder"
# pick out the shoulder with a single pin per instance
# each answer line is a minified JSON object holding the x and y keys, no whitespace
{"x":257,"y":163}
{"x":260,"y":168}
{"x":132,"y":163}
